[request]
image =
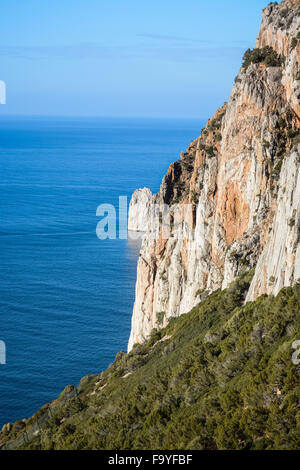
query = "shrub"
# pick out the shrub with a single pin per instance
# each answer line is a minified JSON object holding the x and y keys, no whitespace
{"x":294,"y":43}
{"x":267,"y":55}
{"x":272,"y":280}
{"x":277,"y":169}
{"x":160,"y":317}
{"x":292,"y":222}
{"x":210,"y":151}
{"x":284,"y":13}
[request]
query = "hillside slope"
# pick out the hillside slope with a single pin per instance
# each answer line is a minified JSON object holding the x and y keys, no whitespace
{"x":219,"y":377}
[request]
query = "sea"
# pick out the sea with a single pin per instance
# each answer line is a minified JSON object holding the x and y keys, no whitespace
{"x":66,"y":297}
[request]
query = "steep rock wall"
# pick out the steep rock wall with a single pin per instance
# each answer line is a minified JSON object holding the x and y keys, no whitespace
{"x":241,"y":177}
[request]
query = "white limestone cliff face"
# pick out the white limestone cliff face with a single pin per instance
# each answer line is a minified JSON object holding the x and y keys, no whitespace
{"x":139,"y":213}
{"x":241,"y":177}
{"x":279,"y":264}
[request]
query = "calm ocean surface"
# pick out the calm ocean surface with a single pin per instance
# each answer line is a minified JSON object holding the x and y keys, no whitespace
{"x":65,"y":296}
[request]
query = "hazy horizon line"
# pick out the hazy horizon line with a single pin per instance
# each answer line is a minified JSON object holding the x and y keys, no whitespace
{"x":98,"y":116}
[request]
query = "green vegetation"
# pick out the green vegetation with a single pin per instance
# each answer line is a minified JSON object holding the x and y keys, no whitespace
{"x":285,"y":137}
{"x":292,"y":222}
{"x":277,"y":169}
{"x":188,"y":164}
{"x":272,"y":280}
{"x":160,"y":317}
{"x":210,"y":150}
{"x":194,"y":197}
{"x":267,"y":56}
{"x":219,"y":377}
{"x":295,"y":41}
{"x":203,"y":293}
{"x":216,"y":123}
{"x":284,"y":13}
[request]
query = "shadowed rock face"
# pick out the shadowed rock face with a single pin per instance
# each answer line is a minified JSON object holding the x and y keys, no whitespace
{"x":242,"y":178}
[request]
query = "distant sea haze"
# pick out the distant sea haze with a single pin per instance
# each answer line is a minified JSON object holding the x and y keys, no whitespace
{"x":66,"y":297}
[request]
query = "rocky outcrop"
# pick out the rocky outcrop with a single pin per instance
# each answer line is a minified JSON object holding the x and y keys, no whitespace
{"x":240,"y":179}
{"x":139,"y":213}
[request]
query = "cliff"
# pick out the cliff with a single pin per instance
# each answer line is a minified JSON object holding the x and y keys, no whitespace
{"x":139,"y":213}
{"x":241,"y":177}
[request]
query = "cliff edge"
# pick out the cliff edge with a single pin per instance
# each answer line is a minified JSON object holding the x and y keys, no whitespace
{"x":241,"y":177}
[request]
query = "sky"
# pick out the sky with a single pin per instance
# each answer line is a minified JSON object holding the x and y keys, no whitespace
{"x":123,"y":58}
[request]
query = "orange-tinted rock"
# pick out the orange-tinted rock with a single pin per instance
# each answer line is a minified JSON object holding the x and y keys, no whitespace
{"x":241,"y":176}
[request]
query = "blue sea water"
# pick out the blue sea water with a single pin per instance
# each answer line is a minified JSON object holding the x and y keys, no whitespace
{"x":66,"y":297}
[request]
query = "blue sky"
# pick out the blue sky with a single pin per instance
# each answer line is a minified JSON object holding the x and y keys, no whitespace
{"x":123,"y":58}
